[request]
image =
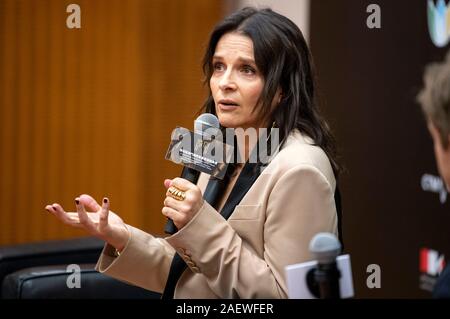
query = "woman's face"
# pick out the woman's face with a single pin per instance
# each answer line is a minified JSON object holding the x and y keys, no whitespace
{"x":236,"y":83}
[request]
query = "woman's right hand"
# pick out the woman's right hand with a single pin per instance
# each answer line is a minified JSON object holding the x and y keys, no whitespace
{"x":99,"y":221}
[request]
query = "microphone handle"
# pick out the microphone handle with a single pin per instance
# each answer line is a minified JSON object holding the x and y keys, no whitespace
{"x":192,"y":176}
{"x":327,"y":278}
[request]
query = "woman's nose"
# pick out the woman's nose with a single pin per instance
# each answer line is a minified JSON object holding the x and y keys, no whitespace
{"x":227,"y":82}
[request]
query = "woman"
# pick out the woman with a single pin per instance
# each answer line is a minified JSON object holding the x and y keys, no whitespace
{"x":259,"y":71}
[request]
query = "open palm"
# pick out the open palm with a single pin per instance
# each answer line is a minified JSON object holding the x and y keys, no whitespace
{"x":97,"y":220}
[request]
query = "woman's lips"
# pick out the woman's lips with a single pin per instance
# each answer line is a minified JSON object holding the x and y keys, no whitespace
{"x":227,"y":107}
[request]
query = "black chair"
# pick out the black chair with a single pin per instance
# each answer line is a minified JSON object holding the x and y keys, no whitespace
{"x":55,"y":282}
{"x":39,"y":270}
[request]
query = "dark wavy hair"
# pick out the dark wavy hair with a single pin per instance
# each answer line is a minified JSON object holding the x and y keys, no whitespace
{"x":283,"y":57}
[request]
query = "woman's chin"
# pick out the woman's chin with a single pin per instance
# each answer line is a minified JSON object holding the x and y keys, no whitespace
{"x":226,"y":122}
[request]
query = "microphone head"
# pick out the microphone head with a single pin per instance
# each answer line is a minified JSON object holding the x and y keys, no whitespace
{"x":325,"y":247}
{"x":204,"y":122}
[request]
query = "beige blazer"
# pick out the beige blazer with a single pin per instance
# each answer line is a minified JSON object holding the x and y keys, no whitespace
{"x":244,"y":256}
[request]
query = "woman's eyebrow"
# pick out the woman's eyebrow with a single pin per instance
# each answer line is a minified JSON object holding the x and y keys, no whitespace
{"x":246,"y":60}
{"x":240,"y":59}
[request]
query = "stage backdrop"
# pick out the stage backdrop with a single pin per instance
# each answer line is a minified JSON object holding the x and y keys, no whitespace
{"x":396,"y":212}
{"x":91,"y":110}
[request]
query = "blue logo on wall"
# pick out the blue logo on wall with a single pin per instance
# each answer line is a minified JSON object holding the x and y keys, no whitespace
{"x":439,"y":22}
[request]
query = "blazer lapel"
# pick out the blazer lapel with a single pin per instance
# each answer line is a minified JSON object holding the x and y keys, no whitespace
{"x":249,"y":174}
{"x":246,"y":178}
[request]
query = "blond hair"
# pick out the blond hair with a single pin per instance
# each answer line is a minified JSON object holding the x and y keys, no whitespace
{"x":435,"y":97}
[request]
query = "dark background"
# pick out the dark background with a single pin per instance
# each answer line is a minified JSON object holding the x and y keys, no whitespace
{"x":368,"y":81}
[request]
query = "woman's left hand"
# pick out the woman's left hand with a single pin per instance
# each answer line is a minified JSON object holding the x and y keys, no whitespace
{"x":181,"y":211}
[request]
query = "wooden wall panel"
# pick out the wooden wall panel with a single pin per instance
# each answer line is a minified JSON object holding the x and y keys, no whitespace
{"x":91,"y":110}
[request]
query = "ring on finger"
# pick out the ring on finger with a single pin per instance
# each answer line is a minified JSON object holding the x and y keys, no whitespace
{"x":177,"y":193}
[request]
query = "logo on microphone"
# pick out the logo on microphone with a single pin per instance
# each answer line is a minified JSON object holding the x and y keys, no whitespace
{"x":431,"y":265}
{"x":439,"y":22}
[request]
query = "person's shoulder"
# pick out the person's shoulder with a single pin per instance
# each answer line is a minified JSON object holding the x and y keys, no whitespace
{"x":442,"y":288}
{"x":299,"y":151}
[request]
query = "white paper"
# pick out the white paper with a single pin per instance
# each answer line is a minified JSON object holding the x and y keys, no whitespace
{"x":296,"y":278}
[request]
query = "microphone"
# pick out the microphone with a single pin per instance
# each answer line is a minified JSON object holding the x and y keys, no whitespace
{"x":325,"y":247}
{"x":204,"y":125}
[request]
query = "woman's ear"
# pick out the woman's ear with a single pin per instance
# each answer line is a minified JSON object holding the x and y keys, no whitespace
{"x":280,"y":95}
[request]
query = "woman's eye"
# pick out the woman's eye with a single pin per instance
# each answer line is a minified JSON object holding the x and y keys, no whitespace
{"x":248,"y":70}
{"x":218,"y":66}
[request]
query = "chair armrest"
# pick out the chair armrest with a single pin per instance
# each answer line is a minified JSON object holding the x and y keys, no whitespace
{"x":71,"y":251}
{"x":50,"y":282}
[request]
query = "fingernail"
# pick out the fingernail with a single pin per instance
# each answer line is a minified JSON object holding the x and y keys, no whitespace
{"x":105,"y":200}
{"x":77,"y":201}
